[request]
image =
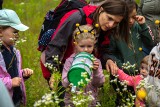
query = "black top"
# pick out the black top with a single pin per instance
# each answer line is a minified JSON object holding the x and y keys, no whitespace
{"x":10,"y":60}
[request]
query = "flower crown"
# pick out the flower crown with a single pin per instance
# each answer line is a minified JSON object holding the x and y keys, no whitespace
{"x":86,"y":31}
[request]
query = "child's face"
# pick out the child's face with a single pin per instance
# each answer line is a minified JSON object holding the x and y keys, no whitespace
{"x":85,"y":45}
{"x":9,"y":36}
{"x":144,"y":69}
{"x":132,"y":16}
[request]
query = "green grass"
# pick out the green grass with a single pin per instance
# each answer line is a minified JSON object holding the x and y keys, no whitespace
{"x":31,"y":13}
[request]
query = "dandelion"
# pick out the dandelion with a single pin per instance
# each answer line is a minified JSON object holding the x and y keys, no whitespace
{"x":141,"y":94}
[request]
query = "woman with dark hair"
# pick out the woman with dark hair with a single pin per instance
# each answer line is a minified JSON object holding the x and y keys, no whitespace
{"x":112,"y":17}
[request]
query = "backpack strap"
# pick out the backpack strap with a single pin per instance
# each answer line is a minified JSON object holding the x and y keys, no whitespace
{"x":88,"y":10}
{"x":83,"y":21}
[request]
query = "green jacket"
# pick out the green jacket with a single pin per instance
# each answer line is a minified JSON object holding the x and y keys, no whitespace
{"x":120,"y":52}
{"x":150,"y":9}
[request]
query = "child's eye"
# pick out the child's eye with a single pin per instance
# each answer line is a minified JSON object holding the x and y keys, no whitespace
{"x":82,"y":46}
{"x":89,"y":46}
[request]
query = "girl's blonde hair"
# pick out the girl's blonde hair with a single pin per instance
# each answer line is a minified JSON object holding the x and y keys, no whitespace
{"x":84,"y":32}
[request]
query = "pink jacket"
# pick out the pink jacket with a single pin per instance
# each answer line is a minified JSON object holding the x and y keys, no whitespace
{"x":131,"y":80}
{"x":6,"y":78}
{"x":98,"y":80}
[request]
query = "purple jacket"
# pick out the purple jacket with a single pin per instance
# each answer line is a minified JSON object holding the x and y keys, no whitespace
{"x":98,"y":80}
{"x":6,"y":78}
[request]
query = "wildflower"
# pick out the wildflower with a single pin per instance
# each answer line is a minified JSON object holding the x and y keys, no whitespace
{"x":117,"y":89}
{"x":115,"y":80}
{"x":23,"y":40}
{"x":107,"y":75}
{"x":124,"y":89}
{"x":22,"y":3}
{"x":38,"y":103}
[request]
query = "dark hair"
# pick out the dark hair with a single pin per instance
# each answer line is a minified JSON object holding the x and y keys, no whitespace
{"x":131,"y":5}
{"x":4,"y":27}
{"x":116,"y":7}
{"x":1,"y":2}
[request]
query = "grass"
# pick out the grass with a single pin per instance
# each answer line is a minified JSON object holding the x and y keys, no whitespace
{"x":31,"y":13}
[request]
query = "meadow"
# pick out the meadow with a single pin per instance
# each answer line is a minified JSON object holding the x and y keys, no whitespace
{"x":31,"y":13}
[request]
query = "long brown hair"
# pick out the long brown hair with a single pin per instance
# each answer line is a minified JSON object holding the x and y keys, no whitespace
{"x":116,"y":7}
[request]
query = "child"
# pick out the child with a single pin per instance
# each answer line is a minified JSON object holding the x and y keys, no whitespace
{"x":10,"y":60}
{"x":84,"y":42}
{"x":154,"y":77}
{"x":134,"y":81}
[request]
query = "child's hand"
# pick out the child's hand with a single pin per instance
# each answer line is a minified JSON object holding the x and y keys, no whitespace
{"x":95,"y":65}
{"x":27,"y":72}
{"x":140,"y":19}
{"x":16,"y":81}
{"x":51,"y":81}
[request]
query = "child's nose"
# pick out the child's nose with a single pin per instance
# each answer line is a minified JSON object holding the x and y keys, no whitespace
{"x":85,"y":49}
{"x":111,"y":23}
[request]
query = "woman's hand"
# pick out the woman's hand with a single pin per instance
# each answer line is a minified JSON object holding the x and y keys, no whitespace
{"x":111,"y":67}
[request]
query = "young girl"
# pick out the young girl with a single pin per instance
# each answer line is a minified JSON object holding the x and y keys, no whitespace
{"x":84,"y":42}
{"x":10,"y":59}
{"x":134,"y":81}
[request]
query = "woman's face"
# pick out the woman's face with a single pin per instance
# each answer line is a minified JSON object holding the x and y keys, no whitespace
{"x":108,"y":21}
